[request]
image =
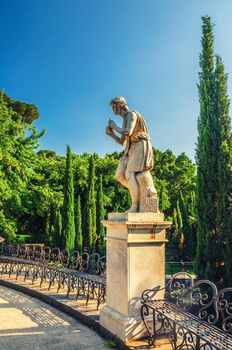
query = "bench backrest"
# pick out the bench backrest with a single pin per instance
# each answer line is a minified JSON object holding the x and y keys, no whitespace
{"x":201,"y":298}
{"x":92,"y":264}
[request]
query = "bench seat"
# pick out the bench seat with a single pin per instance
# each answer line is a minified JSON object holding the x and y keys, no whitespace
{"x":182,"y":321}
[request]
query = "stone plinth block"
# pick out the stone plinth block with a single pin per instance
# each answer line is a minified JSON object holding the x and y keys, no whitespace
{"x":135,"y":262}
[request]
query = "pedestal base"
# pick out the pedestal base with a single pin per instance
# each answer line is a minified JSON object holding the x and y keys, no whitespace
{"x":135,"y":262}
{"x":120,"y":325}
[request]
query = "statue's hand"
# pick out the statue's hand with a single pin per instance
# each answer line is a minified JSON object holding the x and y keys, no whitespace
{"x":108,"y":131}
{"x":111,"y":124}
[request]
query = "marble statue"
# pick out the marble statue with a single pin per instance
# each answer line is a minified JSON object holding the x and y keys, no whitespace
{"x":134,"y":167}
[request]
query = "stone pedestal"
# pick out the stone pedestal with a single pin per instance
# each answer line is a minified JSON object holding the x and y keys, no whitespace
{"x":135,"y":262}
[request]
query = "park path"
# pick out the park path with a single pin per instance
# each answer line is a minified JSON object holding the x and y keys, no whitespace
{"x":27,"y":323}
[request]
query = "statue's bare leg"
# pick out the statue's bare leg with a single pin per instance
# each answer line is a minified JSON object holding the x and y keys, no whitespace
{"x":120,"y":175}
{"x":134,"y":191}
{"x":123,"y":182}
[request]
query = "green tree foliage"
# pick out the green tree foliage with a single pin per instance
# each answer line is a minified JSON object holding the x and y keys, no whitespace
{"x":89,"y":227}
{"x":26,"y":113}
{"x":116,"y":198}
{"x":175,"y":227}
{"x":164,"y":199}
{"x":172,"y":174}
{"x":207,"y":158}
{"x":68,"y":222}
{"x":180,"y":230}
{"x":176,"y":237}
{"x":173,"y":251}
{"x":46,"y":238}
{"x":53,"y":228}
{"x":57,"y":229}
{"x":188,"y":242}
{"x":191,"y":209}
{"x":17,"y":163}
{"x":224,"y":203}
{"x":78,"y":222}
{"x":183,"y":231}
{"x":213,"y":169}
{"x":47,"y":189}
{"x":100,"y":216}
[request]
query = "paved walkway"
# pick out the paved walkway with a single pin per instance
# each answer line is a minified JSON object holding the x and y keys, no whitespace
{"x":27,"y":323}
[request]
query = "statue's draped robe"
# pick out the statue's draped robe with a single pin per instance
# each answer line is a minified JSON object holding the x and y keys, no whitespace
{"x":138,"y":149}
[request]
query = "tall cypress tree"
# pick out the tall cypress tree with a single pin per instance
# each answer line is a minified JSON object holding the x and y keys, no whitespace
{"x":224,"y":205}
{"x":89,"y":226}
{"x":68,"y":230}
{"x":78,"y":222}
{"x":213,"y":174}
{"x":207,"y":158}
{"x":100,"y":216}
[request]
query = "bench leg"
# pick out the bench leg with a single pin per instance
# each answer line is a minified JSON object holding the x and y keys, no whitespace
{"x":68,"y":286}
{"x":145,"y":312}
{"x":78,"y":287}
{"x":168,"y":328}
{"x":88,"y":292}
{"x":174,"y":336}
{"x":198,"y":343}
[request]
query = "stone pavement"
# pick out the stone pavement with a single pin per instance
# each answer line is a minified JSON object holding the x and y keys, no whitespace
{"x":76,"y":308}
{"x":28,"y":323}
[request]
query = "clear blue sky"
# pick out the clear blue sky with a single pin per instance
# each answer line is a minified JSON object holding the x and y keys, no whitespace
{"x":70,"y":57}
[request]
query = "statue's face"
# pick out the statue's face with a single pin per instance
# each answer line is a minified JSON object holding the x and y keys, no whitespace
{"x":116,"y":108}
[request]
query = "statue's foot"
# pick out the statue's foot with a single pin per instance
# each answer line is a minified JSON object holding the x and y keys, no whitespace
{"x":133,"y":209}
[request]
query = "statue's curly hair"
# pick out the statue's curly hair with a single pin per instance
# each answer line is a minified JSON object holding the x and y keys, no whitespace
{"x":121,"y":100}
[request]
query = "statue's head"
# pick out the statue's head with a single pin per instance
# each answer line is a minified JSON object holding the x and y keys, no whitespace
{"x":118,"y":104}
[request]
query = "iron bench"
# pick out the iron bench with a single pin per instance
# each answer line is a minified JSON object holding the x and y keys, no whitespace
{"x":81,"y":272}
{"x":192,"y":315}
